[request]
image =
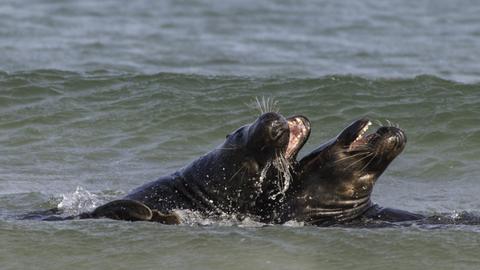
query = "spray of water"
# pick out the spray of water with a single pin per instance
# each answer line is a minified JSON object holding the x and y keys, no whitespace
{"x":284,"y":176}
{"x":79,"y":201}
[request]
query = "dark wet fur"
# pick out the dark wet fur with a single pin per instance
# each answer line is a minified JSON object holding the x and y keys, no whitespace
{"x":223,"y":181}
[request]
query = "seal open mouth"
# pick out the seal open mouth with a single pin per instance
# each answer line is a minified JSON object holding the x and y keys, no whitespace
{"x":356,"y":136}
{"x":299,"y":127}
{"x":361,"y":139}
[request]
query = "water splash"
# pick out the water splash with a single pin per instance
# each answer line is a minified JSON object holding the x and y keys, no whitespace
{"x":284,"y":176}
{"x":455,"y":215}
{"x":79,"y":201}
{"x":195,"y":218}
{"x":263,"y":175}
{"x":294,"y":224}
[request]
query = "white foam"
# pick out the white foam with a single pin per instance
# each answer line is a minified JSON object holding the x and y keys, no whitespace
{"x":294,"y":224}
{"x":189,"y":217}
{"x":81,"y":200}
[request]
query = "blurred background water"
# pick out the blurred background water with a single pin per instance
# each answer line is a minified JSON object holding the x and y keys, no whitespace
{"x":393,"y":38}
{"x":99,"y":97}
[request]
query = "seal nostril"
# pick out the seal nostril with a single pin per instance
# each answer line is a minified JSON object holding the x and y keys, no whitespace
{"x":382,"y":130}
{"x":277,"y":130}
{"x":276,"y":133}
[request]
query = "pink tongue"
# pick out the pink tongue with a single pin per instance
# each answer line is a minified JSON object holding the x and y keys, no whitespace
{"x":362,"y":141}
{"x":294,"y":131}
{"x":357,"y":143}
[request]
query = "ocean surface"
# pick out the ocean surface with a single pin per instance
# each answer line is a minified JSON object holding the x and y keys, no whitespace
{"x":99,"y":97}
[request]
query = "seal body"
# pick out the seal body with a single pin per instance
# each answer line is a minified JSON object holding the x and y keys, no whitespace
{"x":230,"y":179}
{"x":334,"y":182}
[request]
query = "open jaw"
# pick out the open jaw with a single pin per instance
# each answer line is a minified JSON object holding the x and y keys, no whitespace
{"x":299,"y":127}
{"x":359,"y":138}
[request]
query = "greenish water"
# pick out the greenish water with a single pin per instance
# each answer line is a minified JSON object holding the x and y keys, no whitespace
{"x":391,"y":38}
{"x":97,"y":98}
{"x":83,"y":139}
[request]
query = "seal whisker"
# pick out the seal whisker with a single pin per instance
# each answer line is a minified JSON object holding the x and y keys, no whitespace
{"x":259,"y":105}
{"x":265,"y":109}
{"x":360,"y":149}
{"x":347,"y":147}
{"x":241,"y":167}
{"x":346,"y":159}
{"x":272,"y":105}
{"x":358,"y":161}
{"x":265,"y":105}
{"x":352,"y":156}
{"x":357,"y":149}
{"x":370,"y":161}
{"x":227,"y":148}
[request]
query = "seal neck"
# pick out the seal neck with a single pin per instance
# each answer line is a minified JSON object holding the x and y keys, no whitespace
{"x":340,"y":213}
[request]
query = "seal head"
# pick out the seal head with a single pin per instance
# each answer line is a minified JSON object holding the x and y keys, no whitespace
{"x":336,"y":180}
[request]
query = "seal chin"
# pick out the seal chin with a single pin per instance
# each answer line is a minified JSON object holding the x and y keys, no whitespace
{"x":299,"y":127}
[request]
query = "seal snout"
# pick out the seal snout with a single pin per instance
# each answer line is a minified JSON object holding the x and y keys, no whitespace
{"x":270,"y":131}
{"x":278,"y":131}
{"x":392,"y":137}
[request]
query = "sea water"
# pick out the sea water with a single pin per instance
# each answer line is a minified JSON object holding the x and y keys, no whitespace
{"x":99,"y":97}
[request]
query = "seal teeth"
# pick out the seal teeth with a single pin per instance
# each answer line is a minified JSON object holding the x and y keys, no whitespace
{"x":298,"y":130}
{"x":362,"y":132}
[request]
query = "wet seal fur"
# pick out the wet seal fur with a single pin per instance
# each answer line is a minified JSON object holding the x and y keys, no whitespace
{"x":334,"y":182}
{"x":229,"y":180}
{"x":330,"y":186}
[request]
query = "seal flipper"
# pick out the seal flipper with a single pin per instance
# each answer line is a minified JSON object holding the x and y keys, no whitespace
{"x":170,"y":218}
{"x":42,"y":214}
{"x":130,"y":210}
